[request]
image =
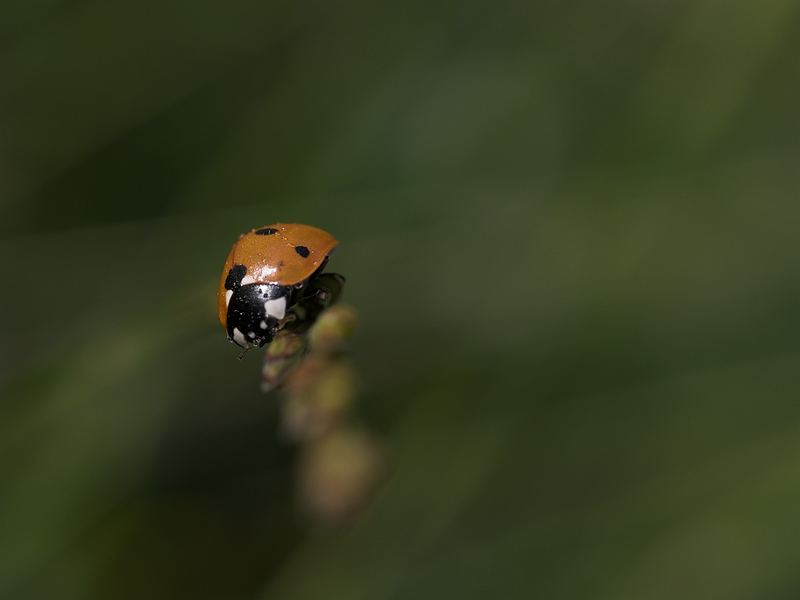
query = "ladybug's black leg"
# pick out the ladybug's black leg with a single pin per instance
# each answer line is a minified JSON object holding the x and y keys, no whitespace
{"x":326,"y":289}
{"x":320,"y":292}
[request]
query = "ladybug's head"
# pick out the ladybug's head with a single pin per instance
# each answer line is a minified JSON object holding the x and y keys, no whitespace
{"x":255,"y":313}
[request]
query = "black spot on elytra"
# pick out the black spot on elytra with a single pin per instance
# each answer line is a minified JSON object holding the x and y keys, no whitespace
{"x":235,"y":276}
{"x":302,"y":251}
{"x":266,"y":231}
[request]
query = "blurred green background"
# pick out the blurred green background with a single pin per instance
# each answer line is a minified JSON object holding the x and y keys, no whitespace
{"x":571,"y":232}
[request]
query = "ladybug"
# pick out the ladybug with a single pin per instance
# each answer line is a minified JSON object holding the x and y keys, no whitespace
{"x":273,"y":277}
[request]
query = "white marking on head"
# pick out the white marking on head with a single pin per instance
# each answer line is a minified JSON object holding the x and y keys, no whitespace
{"x":263,"y":324}
{"x":247,"y":279}
{"x":251,"y":335}
{"x":228,"y":295}
{"x":276,"y":308}
{"x":239,"y":338}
